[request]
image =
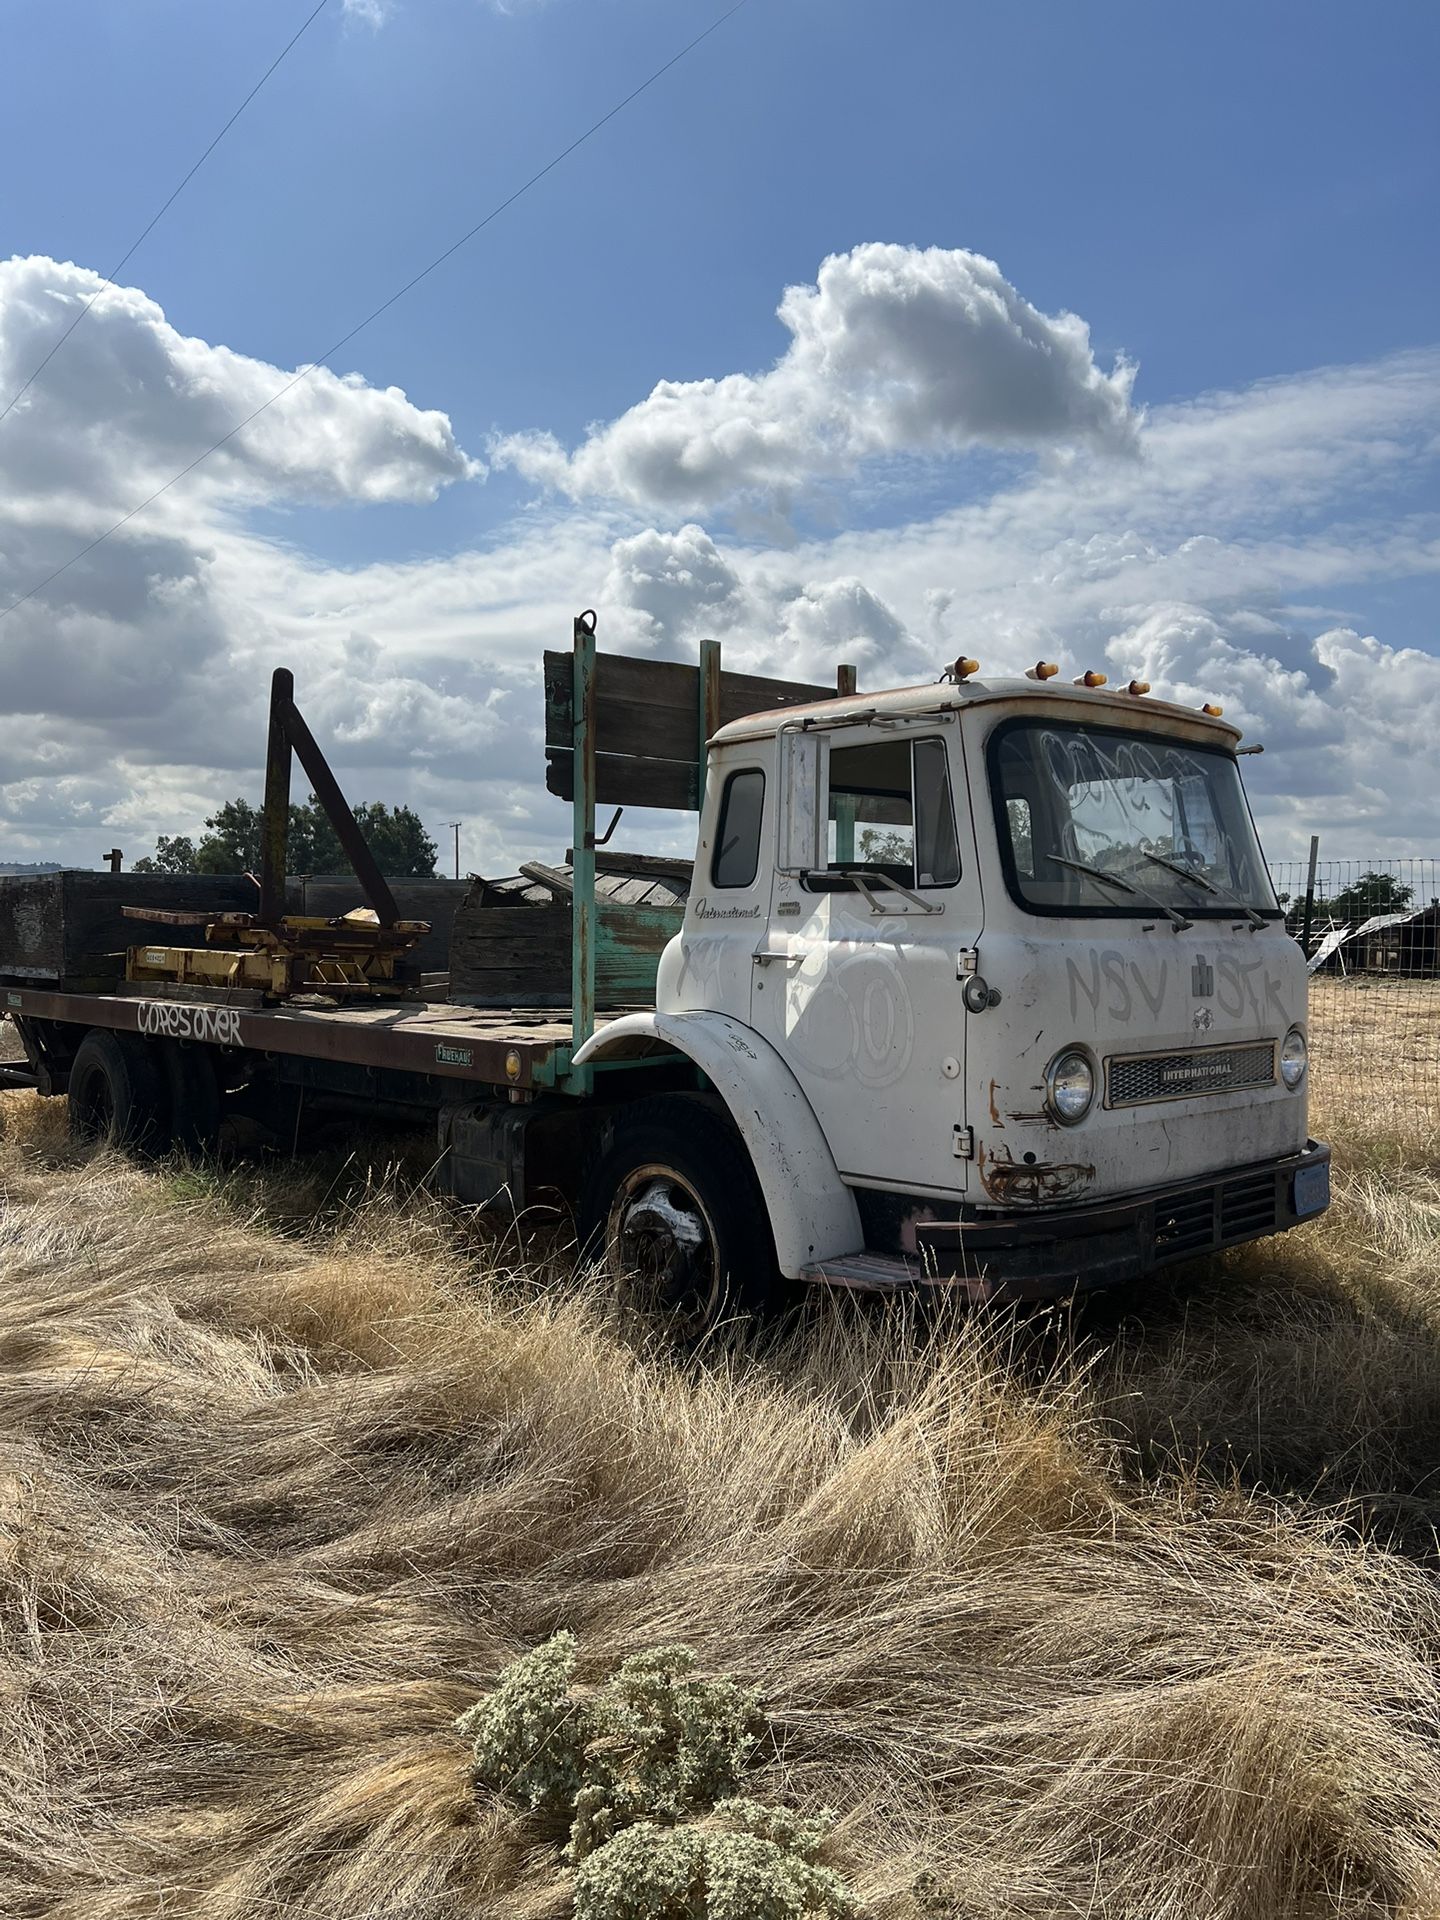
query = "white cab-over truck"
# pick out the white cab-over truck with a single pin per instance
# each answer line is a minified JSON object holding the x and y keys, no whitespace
{"x":979,"y":984}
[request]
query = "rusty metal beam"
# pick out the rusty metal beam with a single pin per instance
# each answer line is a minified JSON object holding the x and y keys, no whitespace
{"x":326,"y":789}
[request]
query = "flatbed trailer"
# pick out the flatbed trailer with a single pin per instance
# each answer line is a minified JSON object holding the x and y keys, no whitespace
{"x":502,"y":1049}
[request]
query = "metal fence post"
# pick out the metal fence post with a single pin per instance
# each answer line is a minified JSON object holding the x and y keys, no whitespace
{"x":1309,"y":896}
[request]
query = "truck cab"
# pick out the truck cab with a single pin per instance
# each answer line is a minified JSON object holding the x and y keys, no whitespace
{"x":1017,"y":946}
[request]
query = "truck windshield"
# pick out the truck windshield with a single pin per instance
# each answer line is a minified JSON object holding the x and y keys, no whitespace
{"x":1168,"y":818}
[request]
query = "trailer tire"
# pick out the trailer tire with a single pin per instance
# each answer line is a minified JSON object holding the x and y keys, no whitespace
{"x":117,"y":1094}
{"x":672,"y":1214}
{"x":194,"y":1097}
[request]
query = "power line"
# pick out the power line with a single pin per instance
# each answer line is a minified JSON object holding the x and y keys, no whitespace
{"x":385,"y":305}
{"x":119,"y":267}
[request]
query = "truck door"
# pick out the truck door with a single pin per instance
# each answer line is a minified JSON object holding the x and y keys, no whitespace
{"x":855,"y":979}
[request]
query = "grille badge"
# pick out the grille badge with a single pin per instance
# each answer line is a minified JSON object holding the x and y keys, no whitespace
{"x":1133,"y":1079}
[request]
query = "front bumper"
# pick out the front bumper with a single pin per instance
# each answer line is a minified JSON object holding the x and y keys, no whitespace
{"x":1064,"y":1250}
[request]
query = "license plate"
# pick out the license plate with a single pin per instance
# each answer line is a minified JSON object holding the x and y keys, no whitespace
{"x":1312,"y":1189}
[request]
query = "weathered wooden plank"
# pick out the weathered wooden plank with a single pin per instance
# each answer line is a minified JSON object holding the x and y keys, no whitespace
{"x":551,"y":878}
{"x":665,"y":866}
{"x":641,"y":706}
{"x":627,"y":780}
{"x":746,"y":693}
{"x":652,"y":707}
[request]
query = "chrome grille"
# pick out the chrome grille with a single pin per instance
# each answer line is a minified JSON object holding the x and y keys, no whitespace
{"x":1135,"y":1078}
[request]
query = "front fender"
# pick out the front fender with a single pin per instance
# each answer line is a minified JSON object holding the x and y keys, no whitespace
{"x":812,"y":1212}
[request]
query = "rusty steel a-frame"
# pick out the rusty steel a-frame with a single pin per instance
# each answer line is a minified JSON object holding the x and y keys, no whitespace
{"x":271,"y":952}
{"x":289,"y":734}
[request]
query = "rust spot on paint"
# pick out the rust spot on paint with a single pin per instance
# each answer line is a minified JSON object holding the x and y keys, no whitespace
{"x":1013,"y":1183}
{"x":995,"y":1119}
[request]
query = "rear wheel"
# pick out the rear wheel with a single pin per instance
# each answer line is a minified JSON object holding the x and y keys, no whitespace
{"x":117,"y":1094}
{"x":672,"y":1212}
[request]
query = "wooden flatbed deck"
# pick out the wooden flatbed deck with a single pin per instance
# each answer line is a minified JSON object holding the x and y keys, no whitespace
{"x":458,"y":1043}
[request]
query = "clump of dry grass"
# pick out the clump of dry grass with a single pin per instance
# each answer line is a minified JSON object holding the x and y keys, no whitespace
{"x":276,"y":1509}
{"x":1309,"y":1366}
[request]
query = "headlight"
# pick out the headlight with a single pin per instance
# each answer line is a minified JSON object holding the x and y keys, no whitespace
{"x":1069,"y":1086}
{"x":1294,"y":1057}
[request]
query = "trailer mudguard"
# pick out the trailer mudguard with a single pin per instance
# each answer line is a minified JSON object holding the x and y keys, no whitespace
{"x":812,"y":1212}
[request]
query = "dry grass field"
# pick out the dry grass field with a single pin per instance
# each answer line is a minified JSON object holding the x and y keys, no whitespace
{"x":1134,"y":1615}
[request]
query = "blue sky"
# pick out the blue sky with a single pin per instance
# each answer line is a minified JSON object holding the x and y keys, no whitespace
{"x":1228,"y":198}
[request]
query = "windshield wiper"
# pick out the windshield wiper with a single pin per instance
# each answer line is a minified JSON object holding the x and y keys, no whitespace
{"x":1199,"y":880}
{"x":866,"y":879}
{"x":1177,"y":920}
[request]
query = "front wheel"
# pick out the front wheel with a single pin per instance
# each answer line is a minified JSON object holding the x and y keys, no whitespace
{"x":672,"y":1212}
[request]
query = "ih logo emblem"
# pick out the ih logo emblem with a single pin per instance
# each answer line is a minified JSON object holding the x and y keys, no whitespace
{"x":1202,"y":979}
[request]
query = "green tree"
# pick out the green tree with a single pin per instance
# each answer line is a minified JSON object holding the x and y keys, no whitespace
{"x":1372,"y":893}
{"x":396,"y":837}
{"x":173,"y":854}
{"x":232,"y":839}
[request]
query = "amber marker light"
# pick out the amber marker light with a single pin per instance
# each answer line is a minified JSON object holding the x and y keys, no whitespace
{"x":512,"y":1065}
{"x":1213,"y":711}
{"x":1042,"y":670}
{"x":963,"y":668}
{"x":1092,"y":679}
{"x":1138,"y":687}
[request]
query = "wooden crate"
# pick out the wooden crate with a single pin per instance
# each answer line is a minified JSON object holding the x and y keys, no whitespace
{"x":67,"y":930}
{"x":510,"y":942}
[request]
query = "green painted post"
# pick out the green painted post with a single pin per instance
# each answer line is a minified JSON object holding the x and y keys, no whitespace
{"x":708,"y":718}
{"x":843,"y":804}
{"x":582,"y":909}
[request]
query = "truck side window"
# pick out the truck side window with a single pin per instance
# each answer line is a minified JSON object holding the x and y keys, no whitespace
{"x":937,"y":852}
{"x":891,"y":811}
{"x":736,"y":859}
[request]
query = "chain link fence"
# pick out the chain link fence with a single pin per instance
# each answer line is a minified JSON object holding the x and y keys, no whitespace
{"x":1371,"y":934}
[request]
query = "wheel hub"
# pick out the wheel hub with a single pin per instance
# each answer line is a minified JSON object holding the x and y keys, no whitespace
{"x":662,"y":1247}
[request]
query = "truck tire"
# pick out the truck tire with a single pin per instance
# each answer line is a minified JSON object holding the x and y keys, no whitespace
{"x":672,"y":1213}
{"x":194,"y":1097}
{"x":117,"y":1094}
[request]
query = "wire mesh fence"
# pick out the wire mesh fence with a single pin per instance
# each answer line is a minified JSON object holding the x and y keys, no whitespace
{"x":1371,"y":934}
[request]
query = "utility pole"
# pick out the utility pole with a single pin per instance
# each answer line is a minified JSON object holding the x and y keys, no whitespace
{"x":454,"y":826}
{"x":114,"y":857}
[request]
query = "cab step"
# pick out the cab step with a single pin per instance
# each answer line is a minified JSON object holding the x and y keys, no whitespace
{"x":863,"y":1273}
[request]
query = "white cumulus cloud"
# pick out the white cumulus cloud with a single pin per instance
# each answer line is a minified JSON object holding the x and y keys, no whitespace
{"x":129,"y":400}
{"x":1243,"y":557}
{"x":893,"y":350}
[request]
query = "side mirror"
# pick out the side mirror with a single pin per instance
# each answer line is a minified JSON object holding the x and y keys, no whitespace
{"x":803,"y":762}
